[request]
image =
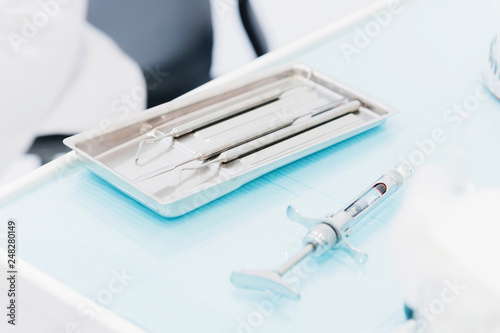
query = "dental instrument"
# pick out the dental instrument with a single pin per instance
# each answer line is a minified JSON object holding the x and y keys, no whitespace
{"x":325,"y":234}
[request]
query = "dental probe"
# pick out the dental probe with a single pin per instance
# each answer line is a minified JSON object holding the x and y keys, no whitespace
{"x":325,"y":234}
{"x":254,"y":133}
{"x":298,"y":127}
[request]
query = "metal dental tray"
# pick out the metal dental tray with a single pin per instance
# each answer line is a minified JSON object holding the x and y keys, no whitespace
{"x":252,"y":113}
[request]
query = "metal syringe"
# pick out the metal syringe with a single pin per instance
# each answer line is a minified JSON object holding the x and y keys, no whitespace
{"x":325,"y":234}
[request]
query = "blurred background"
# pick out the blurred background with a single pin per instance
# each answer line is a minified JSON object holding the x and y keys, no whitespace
{"x":177,"y":45}
{"x":280,"y":25}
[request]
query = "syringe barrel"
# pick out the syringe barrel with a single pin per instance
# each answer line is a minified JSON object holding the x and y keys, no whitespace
{"x":389,"y":183}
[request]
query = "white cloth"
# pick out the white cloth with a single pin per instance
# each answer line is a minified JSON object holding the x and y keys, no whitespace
{"x":59,"y":75}
{"x":446,"y":241}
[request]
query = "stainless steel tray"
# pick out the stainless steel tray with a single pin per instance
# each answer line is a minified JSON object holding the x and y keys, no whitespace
{"x":111,"y":155}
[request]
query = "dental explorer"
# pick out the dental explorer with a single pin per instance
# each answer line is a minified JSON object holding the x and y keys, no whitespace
{"x":283,"y":121}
